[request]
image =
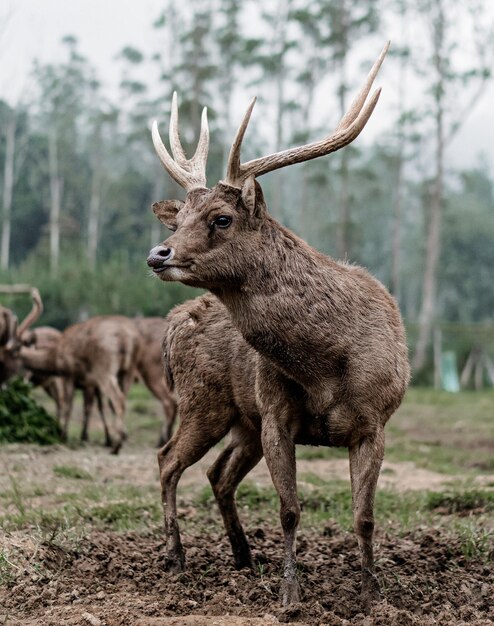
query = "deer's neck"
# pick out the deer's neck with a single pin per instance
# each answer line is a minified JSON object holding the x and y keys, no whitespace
{"x":286,"y":302}
{"x":46,"y":360}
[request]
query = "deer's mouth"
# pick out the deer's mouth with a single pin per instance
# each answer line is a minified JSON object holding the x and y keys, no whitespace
{"x":158,"y":270}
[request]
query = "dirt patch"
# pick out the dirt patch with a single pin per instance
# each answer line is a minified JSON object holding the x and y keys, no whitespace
{"x":114,"y":579}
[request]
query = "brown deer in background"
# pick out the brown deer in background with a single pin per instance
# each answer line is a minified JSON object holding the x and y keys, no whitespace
{"x":60,"y":389}
{"x":100,"y":356}
{"x":333,"y":364}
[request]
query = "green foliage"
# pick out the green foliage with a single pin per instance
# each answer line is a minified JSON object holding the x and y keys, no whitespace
{"x":22,"y":419}
{"x":461,"y":501}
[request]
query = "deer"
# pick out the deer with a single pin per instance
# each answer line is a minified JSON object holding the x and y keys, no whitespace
{"x":99,"y":356}
{"x":58,"y":388}
{"x":11,"y":331}
{"x":332,"y":363}
{"x":150,"y":369}
{"x":209,"y":366}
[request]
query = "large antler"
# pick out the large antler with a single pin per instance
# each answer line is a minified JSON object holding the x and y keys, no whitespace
{"x":33,"y":315}
{"x":350,"y":126}
{"x":189,"y":173}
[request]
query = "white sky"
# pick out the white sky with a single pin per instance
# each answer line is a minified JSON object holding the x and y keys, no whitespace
{"x":103,"y":27}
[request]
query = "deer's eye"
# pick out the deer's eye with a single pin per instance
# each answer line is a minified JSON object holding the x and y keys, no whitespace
{"x":222,"y":221}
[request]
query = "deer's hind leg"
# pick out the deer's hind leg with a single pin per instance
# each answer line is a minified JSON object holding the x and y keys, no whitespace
{"x":193,"y":438}
{"x":241,"y":454}
{"x":109,"y":391}
{"x":365,"y":464}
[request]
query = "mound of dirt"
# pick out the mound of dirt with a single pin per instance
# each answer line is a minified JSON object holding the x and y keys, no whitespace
{"x":117,"y":579}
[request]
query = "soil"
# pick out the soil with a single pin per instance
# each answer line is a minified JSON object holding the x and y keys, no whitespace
{"x":117,"y":579}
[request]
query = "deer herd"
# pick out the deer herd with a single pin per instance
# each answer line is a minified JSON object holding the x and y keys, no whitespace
{"x":288,"y":347}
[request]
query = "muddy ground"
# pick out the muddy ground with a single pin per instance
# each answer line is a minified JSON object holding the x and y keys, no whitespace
{"x":108,"y":578}
{"x":117,"y":579}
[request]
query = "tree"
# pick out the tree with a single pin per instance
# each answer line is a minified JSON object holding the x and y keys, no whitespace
{"x":446,"y":75}
{"x":8,"y":184}
{"x":63,"y":90}
{"x":349,"y":21}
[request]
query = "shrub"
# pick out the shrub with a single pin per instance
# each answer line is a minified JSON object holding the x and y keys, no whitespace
{"x":22,"y":419}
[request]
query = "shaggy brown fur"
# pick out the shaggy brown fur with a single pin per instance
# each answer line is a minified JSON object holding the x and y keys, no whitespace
{"x":211,"y":369}
{"x":100,"y":356}
{"x":150,"y":368}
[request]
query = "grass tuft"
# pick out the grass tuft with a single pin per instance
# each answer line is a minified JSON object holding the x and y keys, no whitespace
{"x":71,"y":471}
{"x":450,"y":502}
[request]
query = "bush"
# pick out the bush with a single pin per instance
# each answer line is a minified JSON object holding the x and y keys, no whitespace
{"x":22,"y":419}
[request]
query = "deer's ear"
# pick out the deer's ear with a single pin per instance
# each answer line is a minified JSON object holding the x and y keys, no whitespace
{"x":253,"y":198}
{"x":166,"y":211}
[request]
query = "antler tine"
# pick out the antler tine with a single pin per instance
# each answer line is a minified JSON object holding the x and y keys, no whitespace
{"x":360,"y":98}
{"x":188,"y":173}
{"x":176,"y":172}
{"x":348,"y":129}
{"x":332,"y":143}
{"x":33,"y":315}
{"x":233,"y":167}
{"x":201,"y":154}
{"x":175,"y":143}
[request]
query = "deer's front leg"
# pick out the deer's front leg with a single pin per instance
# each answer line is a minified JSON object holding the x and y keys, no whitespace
{"x":278,"y":417}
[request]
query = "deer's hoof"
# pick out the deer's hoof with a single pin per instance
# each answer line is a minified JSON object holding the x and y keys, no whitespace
{"x":370,"y":592}
{"x":175,"y":564}
{"x":290,"y":592}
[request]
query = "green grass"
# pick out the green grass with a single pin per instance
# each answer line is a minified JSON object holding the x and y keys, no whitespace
{"x":72,"y":471}
{"x":476,"y":541}
{"x":461,"y":501}
{"x":444,"y":432}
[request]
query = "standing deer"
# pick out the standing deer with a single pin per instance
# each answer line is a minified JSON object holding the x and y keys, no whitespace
{"x":333,"y":363}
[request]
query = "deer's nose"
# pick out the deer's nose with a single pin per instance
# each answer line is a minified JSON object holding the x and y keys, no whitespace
{"x":159,"y":256}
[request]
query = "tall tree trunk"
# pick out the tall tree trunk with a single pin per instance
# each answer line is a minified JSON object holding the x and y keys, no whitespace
{"x":280,"y":49}
{"x":433,"y":241}
{"x":55,"y":201}
{"x":93,"y":220}
{"x":95,"y":199}
{"x":343,"y":241}
{"x":397,"y":224}
{"x":400,"y":162}
{"x":8,"y":185}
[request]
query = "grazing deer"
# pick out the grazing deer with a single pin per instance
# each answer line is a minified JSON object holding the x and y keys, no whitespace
{"x":11,"y":331}
{"x":210,"y":367}
{"x":58,"y":388}
{"x":333,"y":363}
{"x":99,"y":356}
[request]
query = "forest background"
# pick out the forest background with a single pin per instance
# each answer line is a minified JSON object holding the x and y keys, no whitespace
{"x":78,"y":173}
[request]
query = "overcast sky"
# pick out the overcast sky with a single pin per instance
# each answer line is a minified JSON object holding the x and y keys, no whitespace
{"x":103,"y":27}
